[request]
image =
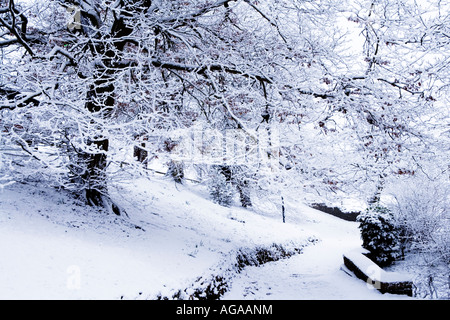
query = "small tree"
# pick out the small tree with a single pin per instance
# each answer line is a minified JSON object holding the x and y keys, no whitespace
{"x":379,"y":234}
{"x":220,"y":188}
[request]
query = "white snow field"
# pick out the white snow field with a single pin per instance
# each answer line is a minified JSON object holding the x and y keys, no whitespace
{"x":52,"y":247}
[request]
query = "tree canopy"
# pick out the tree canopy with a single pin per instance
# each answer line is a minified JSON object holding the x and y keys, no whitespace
{"x":337,"y":97}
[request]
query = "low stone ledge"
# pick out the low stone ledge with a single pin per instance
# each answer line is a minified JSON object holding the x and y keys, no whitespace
{"x":367,"y":270}
{"x":335,"y":211}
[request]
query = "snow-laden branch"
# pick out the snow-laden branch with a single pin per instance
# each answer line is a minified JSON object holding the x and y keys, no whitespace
{"x":274,"y":24}
{"x":88,"y":7}
{"x":58,"y":50}
{"x":27,"y":99}
{"x":18,"y":37}
{"x":181,"y":19}
{"x":8,"y":42}
{"x":212,"y":67}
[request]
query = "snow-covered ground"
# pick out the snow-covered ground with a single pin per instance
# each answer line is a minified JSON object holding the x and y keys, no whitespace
{"x":52,"y":247}
{"x":315,"y":274}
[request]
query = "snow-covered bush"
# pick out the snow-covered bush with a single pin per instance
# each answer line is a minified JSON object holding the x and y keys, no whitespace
{"x":379,"y":234}
{"x":220,"y":190}
{"x":176,"y":171}
{"x":421,"y":211}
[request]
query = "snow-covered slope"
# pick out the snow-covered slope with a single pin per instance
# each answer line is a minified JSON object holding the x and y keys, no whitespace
{"x":52,"y":247}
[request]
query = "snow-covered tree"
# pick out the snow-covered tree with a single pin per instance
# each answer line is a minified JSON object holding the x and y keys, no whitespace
{"x":120,"y":71}
{"x":85,"y":81}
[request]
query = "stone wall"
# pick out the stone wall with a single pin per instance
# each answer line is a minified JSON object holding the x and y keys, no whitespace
{"x":368,"y":271}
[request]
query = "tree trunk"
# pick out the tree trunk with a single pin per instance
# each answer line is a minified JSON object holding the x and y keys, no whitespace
{"x":96,"y":191}
{"x":375,"y":199}
{"x":244,"y":193}
{"x":100,"y":100}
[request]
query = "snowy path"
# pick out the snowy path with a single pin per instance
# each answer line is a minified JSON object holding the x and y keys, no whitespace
{"x":314,"y":274}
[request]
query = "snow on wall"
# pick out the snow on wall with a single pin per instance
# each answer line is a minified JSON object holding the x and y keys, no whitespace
{"x":365,"y":269}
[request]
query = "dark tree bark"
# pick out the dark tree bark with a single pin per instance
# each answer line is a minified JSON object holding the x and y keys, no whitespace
{"x":100,"y":99}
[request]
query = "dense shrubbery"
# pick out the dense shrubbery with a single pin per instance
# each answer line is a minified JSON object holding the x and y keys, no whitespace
{"x":379,"y":234}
